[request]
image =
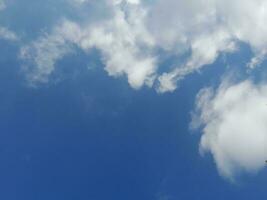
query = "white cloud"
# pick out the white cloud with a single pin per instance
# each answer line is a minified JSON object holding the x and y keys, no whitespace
{"x":257,"y":60}
{"x":7,"y":34}
{"x":205,"y":50}
{"x":235,"y":126}
{"x":208,"y":28}
{"x":122,"y":40}
{"x":125,"y":44}
{"x":129,"y":36}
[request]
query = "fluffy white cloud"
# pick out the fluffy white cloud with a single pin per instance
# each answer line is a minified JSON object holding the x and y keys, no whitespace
{"x":123,"y":41}
{"x":234,"y":120}
{"x":207,"y":28}
{"x":205,"y":50}
{"x":129,"y":36}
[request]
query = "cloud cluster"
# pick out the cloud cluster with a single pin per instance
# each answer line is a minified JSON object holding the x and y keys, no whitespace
{"x":234,"y":120}
{"x":130,"y":36}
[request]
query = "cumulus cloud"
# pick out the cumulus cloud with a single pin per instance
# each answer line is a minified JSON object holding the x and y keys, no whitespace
{"x":234,"y":121}
{"x":133,"y":31}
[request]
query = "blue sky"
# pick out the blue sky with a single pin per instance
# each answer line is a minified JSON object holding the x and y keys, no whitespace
{"x":108,"y":100}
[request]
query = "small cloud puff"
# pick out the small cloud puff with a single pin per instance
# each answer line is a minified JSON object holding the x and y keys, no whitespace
{"x":6,"y":34}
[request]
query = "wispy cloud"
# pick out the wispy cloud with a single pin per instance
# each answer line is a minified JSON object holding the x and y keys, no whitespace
{"x":44,"y":53}
{"x":5,"y":33}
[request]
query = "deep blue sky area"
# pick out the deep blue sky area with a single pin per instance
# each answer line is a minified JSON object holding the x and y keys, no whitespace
{"x":89,"y":136}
